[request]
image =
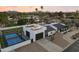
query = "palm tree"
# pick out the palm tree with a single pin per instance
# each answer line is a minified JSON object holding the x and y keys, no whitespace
{"x":41,"y":7}
{"x":77,"y":14}
{"x":36,"y":9}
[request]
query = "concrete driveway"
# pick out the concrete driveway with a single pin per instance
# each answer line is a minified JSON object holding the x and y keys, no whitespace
{"x":49,"y":46}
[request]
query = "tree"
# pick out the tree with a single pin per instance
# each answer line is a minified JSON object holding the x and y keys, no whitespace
{"x":41,"y":7}
{"x":36,"y":9}
{"x":3,"y":18}
{"x":60,"y":14}
{"x":21,"y":22}
{"x":76,"y":14}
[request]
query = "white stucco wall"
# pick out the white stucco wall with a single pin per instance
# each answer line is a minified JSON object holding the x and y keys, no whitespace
{"x":51,"y":32}
{"x":34,"y":32}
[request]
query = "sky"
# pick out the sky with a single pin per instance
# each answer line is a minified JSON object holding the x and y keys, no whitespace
{"x":32,"y":8}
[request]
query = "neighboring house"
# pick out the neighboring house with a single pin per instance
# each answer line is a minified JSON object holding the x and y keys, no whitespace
{"x":60,"y":27}
{"x":34,"y":17}
{"x":71,"y":17}
{"x":13,"y":18}
{"x":50,"y":31}
{"x":55,"y":20}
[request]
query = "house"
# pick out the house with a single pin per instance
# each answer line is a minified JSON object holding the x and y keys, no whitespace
{"x":34,"y":17}
{"x":50,"y":30}
{"x":13,"y":18}
{"x":14,"y":40}
{"x":60,"y":27}
{"x":34,"y":31}
{"x":30,"y":33}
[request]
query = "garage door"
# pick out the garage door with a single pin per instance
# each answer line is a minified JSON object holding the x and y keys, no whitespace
{"x":39,"y":36}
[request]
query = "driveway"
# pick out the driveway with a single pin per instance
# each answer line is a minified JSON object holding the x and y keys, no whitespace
{"x":49,"y":46}
{"x":59,"y":40}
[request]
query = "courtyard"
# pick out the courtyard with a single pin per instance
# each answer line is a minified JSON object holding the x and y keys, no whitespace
{"x":33,"y":47}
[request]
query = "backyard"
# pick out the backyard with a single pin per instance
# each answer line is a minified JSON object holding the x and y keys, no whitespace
{"x":10,"y":37}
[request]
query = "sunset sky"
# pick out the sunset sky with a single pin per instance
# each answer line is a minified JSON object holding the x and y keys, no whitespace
{"x":32,"y":8}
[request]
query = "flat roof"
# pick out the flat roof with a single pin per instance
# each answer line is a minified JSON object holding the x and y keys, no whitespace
{"x":49,"y":28}
{"x":34,"y":27}
{"x":59,"y":25}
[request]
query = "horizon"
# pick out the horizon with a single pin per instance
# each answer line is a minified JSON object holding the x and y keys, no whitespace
{"x":46,"y":8}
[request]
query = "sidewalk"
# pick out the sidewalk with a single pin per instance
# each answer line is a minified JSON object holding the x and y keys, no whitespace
{"x":68,"y":36}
